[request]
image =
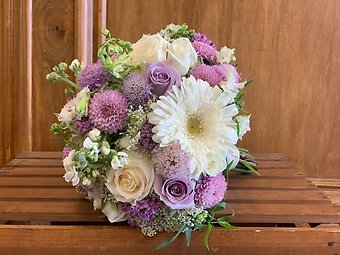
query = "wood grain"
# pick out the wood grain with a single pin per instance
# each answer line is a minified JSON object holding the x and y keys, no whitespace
{"x":109,"y":240}
{"x":53,"y":41}
{"x":290,"y":48}
{"x":15,"y":92}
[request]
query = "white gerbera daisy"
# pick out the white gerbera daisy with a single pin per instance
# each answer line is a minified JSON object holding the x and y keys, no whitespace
{"x":197,"y":116}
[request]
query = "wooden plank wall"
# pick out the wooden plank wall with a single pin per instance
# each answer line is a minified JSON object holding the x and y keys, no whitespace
{"x":291,"y":48}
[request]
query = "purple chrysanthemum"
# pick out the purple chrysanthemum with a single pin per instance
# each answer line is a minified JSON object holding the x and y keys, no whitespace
{"x":210,"y":191}
{"x":211,"y":74}
{"x":145,"y":140}
{"x":171,"y":161}
{"x":66,"y":151}
{"x":203,"y":38}
{"x":108,"y":111}
{"x":205,"y":51}
{"x":145,"y":209}
{"x":93,"y":76}
{"x":136,"y":89}
{"x":82,"y":125}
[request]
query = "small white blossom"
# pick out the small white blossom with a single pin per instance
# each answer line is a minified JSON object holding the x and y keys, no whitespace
{"x":71,"y":175}
{"x":225,"y":55}
{"x":243,"y":124}
{"x":105,"y":148}
{"x":119,"y":160}
{"x":94,"y":135}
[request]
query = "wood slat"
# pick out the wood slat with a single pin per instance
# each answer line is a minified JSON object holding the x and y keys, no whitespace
{"x":247,"y":183}
{"x":244,"y":213}
{"x":233,"y":196}
{"x":118,"y":239}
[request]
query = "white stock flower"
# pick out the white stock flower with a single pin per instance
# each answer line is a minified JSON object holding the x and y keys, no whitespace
{"x":94,"y":135}
{"x":244,"y":124}
{"x":225,"y":55}
{"x":197,"y":116}
{"x":114,"y":212}
{"x":133,"y":181}
{"x":88,"y":144}
{"x":119,"y":160}
{"x":105,"y":148}
{"x":182,"y":55}
{"x":71,"y":175}
{"x":149,"y":48}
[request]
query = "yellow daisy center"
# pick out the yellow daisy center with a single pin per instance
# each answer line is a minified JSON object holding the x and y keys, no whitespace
{"x":194,"y":126}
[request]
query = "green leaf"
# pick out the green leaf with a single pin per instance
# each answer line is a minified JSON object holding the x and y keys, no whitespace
{"x":250,"y":167}
{"x":241,"y":171}
{"x":207,"y":235}
{"x":243,"y":150}
{"x":225,"y":224}
{"x":226,"y":217}
{"x":170,"y":240}
{"x":188,"y":235}
{"x":228,"y":167}
{"x":219,"y":207}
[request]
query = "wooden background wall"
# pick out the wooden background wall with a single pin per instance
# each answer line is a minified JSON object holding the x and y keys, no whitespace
{"x":290,"y":47}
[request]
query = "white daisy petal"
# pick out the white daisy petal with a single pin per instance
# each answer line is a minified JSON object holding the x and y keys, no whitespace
{"x":197,"y":117}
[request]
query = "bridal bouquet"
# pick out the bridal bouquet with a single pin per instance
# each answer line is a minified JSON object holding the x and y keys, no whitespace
{"x":151,"y":128}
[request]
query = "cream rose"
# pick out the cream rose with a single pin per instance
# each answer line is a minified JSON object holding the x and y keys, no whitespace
{"x":149,"y":48}
{"x":182,"y":54}
{"x":133,"y":181}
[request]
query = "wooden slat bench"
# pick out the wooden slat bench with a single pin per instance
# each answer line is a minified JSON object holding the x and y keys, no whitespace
{"x":279,"y":212}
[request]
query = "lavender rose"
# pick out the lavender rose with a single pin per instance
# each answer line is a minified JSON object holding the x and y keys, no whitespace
{"x":162,"y":76}
{"x":177,"y":192}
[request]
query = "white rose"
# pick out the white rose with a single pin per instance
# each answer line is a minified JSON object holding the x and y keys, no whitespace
{"x":133,"y":181}
{"x":225,"y":55}
{"x":244,"y":124}
{"x":114,"y":212}
{"x":182,"y":54}
{"x":71,"y":175}
{"x":149,"y":48}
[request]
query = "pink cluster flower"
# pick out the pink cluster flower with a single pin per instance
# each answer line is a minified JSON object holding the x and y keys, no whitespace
{"x":210,"y":190}
{"x":108,"y":111}
{"x":214,"y":74}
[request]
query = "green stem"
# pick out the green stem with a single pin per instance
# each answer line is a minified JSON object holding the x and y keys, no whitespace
{"x":71,"y":83}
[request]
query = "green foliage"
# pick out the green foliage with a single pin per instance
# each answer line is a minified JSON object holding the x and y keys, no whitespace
{"x":59,"y":129}
{"x":181,"y":31}
{"x":114,"y":55}
{"x":59,"y":74}
{"x":250,"y":167}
